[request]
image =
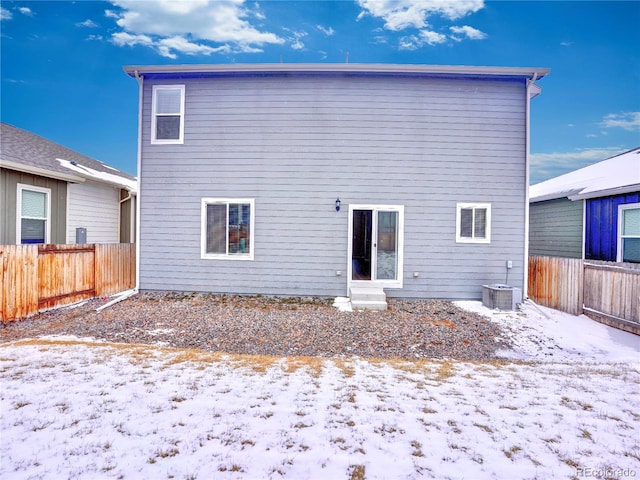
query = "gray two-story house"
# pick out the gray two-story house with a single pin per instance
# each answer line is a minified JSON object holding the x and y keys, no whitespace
{"x":328,"y":179}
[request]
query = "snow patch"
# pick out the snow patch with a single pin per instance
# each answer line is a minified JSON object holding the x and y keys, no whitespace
{"x":92,"y":174}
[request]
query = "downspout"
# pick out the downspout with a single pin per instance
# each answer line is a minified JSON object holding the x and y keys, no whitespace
{"x":525,"y":284}
{"x":128,"y":197}
{"x":140,"y":94}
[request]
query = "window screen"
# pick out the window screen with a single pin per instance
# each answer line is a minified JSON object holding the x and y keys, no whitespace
{"x":168,"y":114}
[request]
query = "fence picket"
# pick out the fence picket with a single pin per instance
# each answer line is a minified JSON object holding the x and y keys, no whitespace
{"x":36,"y":277}
{"x":572,"y":285}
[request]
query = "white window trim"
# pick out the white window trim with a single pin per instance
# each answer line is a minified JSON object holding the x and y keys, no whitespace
{"x":203,"y":229}
{"x":47,"y":223}
{"x":621,"y":208}
{"x":161,"y":141}
{"x":459,"y":207}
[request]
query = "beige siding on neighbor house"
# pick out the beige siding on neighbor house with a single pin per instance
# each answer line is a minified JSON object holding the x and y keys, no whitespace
{"x":94,"y":206}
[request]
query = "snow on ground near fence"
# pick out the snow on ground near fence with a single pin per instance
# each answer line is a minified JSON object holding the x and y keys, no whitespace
{"x":74,"y":408}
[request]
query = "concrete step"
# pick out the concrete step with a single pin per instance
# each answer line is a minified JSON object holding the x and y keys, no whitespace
{"x":368,"y":305}
{"x":374,"y":294}
{"x":368,"y":298}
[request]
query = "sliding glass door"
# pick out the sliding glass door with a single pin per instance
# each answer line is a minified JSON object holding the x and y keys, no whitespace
{"x":375,"y":244}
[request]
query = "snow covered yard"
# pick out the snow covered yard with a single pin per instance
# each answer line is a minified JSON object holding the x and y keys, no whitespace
{"x":564,"y":404}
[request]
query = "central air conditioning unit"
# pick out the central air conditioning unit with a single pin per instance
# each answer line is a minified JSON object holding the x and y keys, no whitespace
{"x":501,"y":297}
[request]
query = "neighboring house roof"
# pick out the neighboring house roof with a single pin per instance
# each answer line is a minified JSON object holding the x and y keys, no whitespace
{"x":613,"y":176}
{"x":27,"y":152}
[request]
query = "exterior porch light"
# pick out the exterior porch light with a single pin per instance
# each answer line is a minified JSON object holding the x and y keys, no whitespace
{"x":338,"y":204}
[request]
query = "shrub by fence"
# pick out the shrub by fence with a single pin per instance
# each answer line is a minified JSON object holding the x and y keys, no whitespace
{"x":606,"y":290}
{"x":37,"y":277}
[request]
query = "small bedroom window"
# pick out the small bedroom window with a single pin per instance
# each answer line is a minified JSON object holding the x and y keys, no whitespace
{"x":167,"y":116}
{"x":33,"y":214}
{"x":227,"y":228}
{"x":473,"y":223}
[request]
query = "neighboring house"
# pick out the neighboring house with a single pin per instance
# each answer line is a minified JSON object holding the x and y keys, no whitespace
{"x":591,"y":213}
{"x":47,"y":192}
{"x":317,"y":179}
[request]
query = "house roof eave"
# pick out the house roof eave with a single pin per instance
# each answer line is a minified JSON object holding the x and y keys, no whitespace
{"x":606,"y":193}
{"x":43,"y":172}
{"x":205,"y":70}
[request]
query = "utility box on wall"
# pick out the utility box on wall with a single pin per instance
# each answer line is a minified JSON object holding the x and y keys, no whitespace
{"x":81,"y":235}
{"x":501,"y":297}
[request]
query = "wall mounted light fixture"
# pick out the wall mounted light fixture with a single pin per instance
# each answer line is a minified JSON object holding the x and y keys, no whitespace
{"x":338,"y":204}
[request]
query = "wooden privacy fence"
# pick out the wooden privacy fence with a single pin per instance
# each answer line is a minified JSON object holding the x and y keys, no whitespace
{"x":37,"y":277}
{"x":607,"y":290}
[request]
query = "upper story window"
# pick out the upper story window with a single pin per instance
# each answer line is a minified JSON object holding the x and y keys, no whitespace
{"x":473,"y":223}
{"x":629,"y":233}
{"x":33,"y":214}
{"x":167,"y":114}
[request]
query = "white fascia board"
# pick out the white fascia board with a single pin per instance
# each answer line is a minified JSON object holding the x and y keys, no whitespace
{"x":607,"y":193}
{"x":41,"y":171}
{"x":339,"y":68}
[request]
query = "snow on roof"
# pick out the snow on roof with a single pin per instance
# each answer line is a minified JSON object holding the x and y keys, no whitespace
{"x":104,"y":177}
{"x":615,"y":175}
{"x":25,"y":151}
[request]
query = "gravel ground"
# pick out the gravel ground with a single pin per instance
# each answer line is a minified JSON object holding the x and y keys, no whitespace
{"x":409,"y":329}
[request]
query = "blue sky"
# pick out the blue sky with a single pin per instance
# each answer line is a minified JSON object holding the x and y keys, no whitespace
{"x":62,"y":78}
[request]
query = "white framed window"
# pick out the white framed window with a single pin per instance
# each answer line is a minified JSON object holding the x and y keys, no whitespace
{"x":473,"y":223}
{"x":167,"y":114}
{"x":227,"y":228}
{"x":33,"y":214}
{"x":629,"y":233}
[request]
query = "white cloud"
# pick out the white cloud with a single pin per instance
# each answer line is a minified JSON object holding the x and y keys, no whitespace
{"x":626,"y":120}
{"x":87,"y":23}
{"x":566,"y":44}
{"x":549,"y":165}
{"x":26,"y":11}
{"x":432,"y":38}
{"x":327,"y":31}
{"x":425,"y":37}
{"x":467,"y":32}
{"x":295,"y":38}
{"x":194,"y":27}
{"x":167,"y":47}
{"x":5,"y":14}
{"x":410,"y":42}
{"x":401,"y":14}
{"x":122,"y":38}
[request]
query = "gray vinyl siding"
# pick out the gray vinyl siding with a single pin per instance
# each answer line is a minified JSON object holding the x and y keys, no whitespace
{"x":556,"y":227}
{"x":9,"y":180}
{"x":296,"y":143}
